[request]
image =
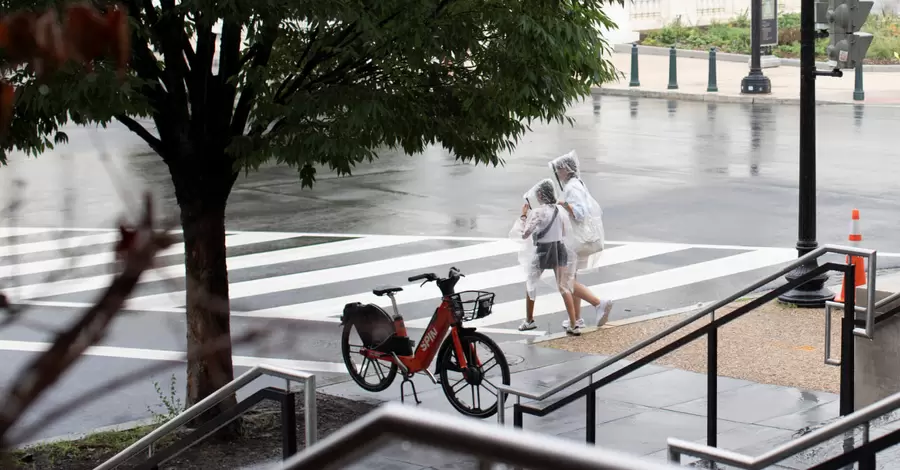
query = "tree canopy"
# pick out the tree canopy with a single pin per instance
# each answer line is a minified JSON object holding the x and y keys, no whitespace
{"x":330,"y":81}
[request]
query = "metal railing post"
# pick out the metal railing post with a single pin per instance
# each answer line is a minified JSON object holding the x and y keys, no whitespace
{"x":847,"y":339}
{"x":310,"y":420}
{"x":712,"y":384}
{"x":867,"y":462}
{"x":288,"y":425}
{"x":501,"y":409}
{"x":517,"y":416}
{"x":590,"y":431}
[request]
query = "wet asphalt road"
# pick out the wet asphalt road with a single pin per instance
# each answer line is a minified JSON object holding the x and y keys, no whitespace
{"x":663,"y":171}
{"x":681,"y":172}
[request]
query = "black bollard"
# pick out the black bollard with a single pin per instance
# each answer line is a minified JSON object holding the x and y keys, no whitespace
{"x":712,"y":87}
{"x":635,"y":81}
{"x":858,"y":93}
{"x":673,"y":74}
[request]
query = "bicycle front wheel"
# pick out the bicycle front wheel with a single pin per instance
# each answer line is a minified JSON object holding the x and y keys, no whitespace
{"x":473,"y":390}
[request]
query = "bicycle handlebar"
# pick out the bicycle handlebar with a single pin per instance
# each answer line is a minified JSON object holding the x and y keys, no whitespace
{"x":419,"y":277}
{"x":432,"y":277}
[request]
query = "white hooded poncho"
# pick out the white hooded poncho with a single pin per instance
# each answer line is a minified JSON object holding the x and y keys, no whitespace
{"x":542,"y":200}
{"x":587,"y":221}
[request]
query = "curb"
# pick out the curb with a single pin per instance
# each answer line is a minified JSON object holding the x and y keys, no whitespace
{"x":743,"y":58}
{"x":709,"y":98}
{"x":630,"y":321}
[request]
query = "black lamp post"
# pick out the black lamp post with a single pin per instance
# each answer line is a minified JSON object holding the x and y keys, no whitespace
{"x":812,"y":293}
{"x":755,"y":82}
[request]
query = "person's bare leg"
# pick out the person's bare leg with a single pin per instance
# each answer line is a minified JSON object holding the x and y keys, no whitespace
{"x":529,"y":308}
{"x":567,"y":299}
{"x":576,"y":301}
{"x":584,"y":293}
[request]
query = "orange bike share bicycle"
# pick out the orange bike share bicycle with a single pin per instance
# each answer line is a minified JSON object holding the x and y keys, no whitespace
{"x":383,"y":346}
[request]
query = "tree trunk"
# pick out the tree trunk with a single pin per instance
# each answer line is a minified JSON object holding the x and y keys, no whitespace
{"x":208,"y":314}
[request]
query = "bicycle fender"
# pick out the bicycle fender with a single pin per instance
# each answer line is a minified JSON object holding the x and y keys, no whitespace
{"x":350,"y":311}
{"x":447,"y":344}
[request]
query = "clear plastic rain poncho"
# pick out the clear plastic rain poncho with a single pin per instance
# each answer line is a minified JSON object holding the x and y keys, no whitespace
{"x":546,"y":252}
{"x":588,"y":236}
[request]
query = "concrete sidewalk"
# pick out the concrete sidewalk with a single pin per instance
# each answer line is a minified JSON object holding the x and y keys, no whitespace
{"x":636,"y":414}
{"x":881,"y":88}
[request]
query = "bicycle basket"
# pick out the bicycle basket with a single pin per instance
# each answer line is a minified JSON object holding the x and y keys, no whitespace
{"x":471,"y":304}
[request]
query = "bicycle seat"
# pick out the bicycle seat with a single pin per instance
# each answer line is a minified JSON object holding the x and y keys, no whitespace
{"x":386,"y":290}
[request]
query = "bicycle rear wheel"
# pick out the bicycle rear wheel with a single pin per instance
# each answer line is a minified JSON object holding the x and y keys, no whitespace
{"x":381,"y":374}
{"x":483,"y":359}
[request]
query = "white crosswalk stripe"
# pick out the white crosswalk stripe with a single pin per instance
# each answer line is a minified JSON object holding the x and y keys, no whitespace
{"x":311,"y":276}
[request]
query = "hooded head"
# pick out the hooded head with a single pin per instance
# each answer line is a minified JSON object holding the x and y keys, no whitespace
{"x":565,"y":167}
{"x":545,"y":192}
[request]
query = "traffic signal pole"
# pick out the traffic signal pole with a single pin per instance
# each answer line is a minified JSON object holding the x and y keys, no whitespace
{"x":847,"y":48}
{"x":813,"y":293}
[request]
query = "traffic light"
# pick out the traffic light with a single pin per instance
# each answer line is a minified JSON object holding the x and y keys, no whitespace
{"x":847,"y":47}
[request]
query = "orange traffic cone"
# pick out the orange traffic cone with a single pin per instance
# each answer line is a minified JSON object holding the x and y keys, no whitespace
{"x":859,"y":262}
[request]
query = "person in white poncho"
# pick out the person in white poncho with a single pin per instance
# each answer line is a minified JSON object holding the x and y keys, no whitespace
{"x":545,"y":231}
{"x":587,"y":224}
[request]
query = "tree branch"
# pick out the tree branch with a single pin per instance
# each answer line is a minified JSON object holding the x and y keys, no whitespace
{"x":143,"y":133}
{"x":248,"y":94}
{"x":342,"y":41}
{"x":169,"y":29}
{"x":291,"y":77}
{"x":317,"y":58}
{"x":230,"y":65}
{"x":199,"y":79}
{"x":189,"y":52}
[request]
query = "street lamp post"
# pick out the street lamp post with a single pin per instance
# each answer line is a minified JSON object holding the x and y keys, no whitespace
{"x":755,"y":82}
{"x":812,"y":293}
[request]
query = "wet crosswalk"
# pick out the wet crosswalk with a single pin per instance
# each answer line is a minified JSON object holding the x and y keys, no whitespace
{"x":310,"y":276}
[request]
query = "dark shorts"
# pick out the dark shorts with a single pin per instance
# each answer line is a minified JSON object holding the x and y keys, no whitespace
{"x":552,"y":255}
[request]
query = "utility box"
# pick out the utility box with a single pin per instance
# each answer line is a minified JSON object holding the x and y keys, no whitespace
{"x":877,"y":362}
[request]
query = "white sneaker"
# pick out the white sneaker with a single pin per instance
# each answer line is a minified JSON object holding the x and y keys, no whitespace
{"x":578,"y":323}
{"x":603,"y":312}
{"x":527,"y":325}
{"x":573,"y":331}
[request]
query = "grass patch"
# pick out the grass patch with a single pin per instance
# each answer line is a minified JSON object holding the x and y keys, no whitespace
{"x":94,"y":447}
{"x":734,"y":36}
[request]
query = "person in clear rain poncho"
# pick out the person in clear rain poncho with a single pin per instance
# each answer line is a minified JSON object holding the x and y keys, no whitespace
{"x":545,"y":230}
{"x":588,"y":234}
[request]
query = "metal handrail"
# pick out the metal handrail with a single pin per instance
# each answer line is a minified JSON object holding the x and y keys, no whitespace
{"x":490,"y":443}
{"x":871,"y":255}
{"x":678,"y":447}
{"x":309,"y":395}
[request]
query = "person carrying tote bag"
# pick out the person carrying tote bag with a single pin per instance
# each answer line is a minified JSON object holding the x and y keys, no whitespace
{"x":587,"y":226}
{"x":544,"y":232}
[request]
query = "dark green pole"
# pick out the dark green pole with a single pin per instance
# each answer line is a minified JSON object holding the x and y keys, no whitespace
{"x":673,"y":74}
{"x":635,"y":81}
{"x":858,"y":93}
{"x":712,"y":71}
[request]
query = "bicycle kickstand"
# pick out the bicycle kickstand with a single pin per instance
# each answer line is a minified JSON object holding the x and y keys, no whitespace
{"x":413,"y":385}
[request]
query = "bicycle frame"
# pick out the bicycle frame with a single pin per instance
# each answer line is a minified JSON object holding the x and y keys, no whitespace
{"x":429,"y":344}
